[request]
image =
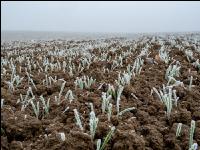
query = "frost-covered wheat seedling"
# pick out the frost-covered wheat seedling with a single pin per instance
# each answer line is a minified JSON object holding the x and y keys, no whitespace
{"x":12,"y":80}
{"x":3,"y":71}
{"x":45,"y":104}
{"x":175,"y":97}
{"x":46,"y":81}
{"x":33,"y":83}
{"x":178,"y":129}
{"x":88,"y":81}
{"x":84,"y":82}
{"x":36,"y":109}
{"x":144,"y":52}
{"x":194,"y":146}
{"x":172,"y":71}
{"x":2,"y":103}
{"x":79,"y":82}
{"x":107,"y":138}
{"x":18,"y":80}
{"x":66,"y":109}
{"x":196,"y":64}
{"x":190,"y":85}
{"x":125,"y":79}
{"x":39,"y":66}
{"x":111,"y":91}
{"x":13,"y":72}
{"x":129,"y":70}
{"x":126,"y":110}
{"x":93,"y":124}
{"x":134,"y":96}
{"x":80,"y":68}
{"x":112,"y":49}
{"x":86,"y":62}
{"x":70,"y":71}
{"x":103,"y":56}
{"x":69,"y":96}
{"x":109,"y":111}
{"x":58,"y":100}
{"x":30,"y":80}
{"x":119,"y":60}
{"x":173,"y":82}
{"x":105,"y":101}
{"x":119,"y":92}
{"x":34,"y":67}
{"x":64,"y":66}
{"x":137,"y":66}
{"x":164,"y":55}
{"x":10,"y":85}
{"x":28,"y":75}
{"x":192,"y":128}
{"x":98,"y":144}
{"x":78,"y":120}
{"x":166,"y":97}
{"x":115,"y":64}
{"x":91,"y":106}
{"x":105,"y":70}
{"x":51,"y":79}
{"x":46,"y":68}
{"x":29,"y":91}
{"x":59,"y":65}
{"x":116,"y":93}
{"x":189,"y":55}
{"x":62,"y":136}
{"x":25,"y":102}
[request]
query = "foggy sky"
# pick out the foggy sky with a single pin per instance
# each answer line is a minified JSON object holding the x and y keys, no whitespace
{"x":104,"y":16}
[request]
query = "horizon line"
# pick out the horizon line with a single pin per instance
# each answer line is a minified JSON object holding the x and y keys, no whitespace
{"x":106,"y":32}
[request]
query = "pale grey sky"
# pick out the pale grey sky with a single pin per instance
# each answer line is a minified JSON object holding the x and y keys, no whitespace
{"x":101,"y":16}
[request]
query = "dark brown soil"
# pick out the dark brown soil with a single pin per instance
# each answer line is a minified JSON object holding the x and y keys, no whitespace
{"x":146,"y":128}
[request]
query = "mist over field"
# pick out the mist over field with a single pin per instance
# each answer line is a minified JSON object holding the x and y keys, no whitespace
{"x":96,"y":19}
